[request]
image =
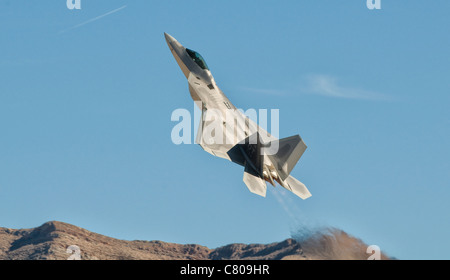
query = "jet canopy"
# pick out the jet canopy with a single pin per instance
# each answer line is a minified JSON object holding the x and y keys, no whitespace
{"x":197,"y":59}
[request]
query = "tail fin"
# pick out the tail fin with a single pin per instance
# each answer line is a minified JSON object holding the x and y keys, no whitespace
{"x":290,"y":150}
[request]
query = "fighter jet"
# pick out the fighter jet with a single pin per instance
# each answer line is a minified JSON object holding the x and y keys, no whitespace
{"x":226,"y":132}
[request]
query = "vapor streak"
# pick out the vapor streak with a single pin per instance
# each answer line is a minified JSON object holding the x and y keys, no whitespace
{"x":94,"y":19}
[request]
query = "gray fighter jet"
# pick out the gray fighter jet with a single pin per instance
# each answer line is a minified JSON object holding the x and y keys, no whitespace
{"x":226,"y":132}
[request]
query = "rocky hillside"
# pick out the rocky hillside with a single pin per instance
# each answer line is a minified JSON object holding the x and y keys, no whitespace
{"x":53,"y":240}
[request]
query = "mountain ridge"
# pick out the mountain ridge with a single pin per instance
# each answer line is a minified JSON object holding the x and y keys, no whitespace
{"x":51,"y":241}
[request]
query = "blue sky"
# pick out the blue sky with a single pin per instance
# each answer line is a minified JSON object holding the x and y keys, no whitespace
{"x":86,"y":98}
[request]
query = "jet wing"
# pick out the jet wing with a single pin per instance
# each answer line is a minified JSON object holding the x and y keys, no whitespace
{"x":210,"y":134}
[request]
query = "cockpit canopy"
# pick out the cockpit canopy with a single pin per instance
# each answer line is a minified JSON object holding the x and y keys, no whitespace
{"x":197,"y":59}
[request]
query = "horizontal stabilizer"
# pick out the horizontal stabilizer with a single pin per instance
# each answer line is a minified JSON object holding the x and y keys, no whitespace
{"x":254,"y":183}
{"x":297,"y":187}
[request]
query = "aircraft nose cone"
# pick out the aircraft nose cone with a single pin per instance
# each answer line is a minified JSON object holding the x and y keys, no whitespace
{"x":169,"y":39}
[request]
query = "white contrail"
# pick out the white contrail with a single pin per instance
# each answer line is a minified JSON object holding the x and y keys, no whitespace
{"x":94,"y":19}
{"x":297,"y":216}
{"x":328,"y":86}
{"x":284,"y":205}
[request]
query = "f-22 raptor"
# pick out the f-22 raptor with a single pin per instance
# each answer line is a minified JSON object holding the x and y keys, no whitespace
{"x":264,"y":157}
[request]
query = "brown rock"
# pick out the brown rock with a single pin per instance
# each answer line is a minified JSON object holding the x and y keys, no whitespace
{"x":51,"y":240}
